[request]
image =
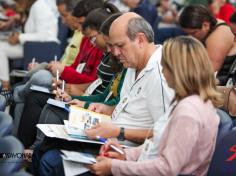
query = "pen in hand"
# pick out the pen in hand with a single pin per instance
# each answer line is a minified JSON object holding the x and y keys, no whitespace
{"x":112,"y":146}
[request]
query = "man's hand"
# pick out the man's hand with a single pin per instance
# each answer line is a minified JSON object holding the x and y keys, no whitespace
{"x":76,"y":89}
{"x":104,"y":130}
{"x":14,"y":38}
{"x":101,"y":108}
{"x":77,"y":103}
{"x":32,"y":65}
{"x":63,"y":96}
{"x":56,"y":84}
{"x":54,"y":66}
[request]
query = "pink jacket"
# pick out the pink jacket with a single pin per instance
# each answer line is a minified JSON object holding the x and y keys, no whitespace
{"x":186,"y":147}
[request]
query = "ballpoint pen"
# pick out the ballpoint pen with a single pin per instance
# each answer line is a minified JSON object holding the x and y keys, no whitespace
{"x":112,"y":146}
{"x":57,"y":75}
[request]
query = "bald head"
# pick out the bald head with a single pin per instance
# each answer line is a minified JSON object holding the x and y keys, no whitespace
{"x":121,"y":23}
{"x":130,"y":24}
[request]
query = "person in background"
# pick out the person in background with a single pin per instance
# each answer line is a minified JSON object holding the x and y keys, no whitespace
{"x":198,"y":22}
{"x":185,"y":144}
{"x":38,"y":27}
{"x":221,"y":9}
{"x":39,"y":74}
{"x":167,"y":14}
{"x":144,"y":9}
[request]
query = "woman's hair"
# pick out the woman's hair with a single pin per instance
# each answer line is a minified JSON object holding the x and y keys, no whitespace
{"x":83,"y":7}
{"x":193,"y":17}
{"x":97,"y":16}
{"x":188,"y":62}
{"x":105,"y":27}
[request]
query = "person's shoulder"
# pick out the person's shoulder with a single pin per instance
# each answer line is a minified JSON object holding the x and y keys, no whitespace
{"x":221,"y":30}
{"x":194,"y":105}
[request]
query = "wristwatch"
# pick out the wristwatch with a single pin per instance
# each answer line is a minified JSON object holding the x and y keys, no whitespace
{"x":121,"y":136}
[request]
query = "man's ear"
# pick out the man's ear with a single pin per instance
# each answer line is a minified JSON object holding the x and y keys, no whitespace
{"x":206,"y":26}
{"x":141,"y":38}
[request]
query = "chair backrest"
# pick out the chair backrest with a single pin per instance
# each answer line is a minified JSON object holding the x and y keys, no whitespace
{"x":224,"y":159}
{"x":5,"y":124}
{"x":225,"y":125}
{"x":163,"y":34}
{"x":11,"y":155}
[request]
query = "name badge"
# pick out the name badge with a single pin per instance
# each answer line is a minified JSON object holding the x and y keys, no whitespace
{"x":93,"y":86}
{"x":80,"y":67}
{"x":108,"y":96}
{"x":120,"y":107}
{"x":147,"y":146}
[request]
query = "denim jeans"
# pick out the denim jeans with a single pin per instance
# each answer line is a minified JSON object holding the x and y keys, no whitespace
{"x":48,"y":164}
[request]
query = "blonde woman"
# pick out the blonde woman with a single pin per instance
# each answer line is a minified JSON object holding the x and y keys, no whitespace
{"x":185,"y":143}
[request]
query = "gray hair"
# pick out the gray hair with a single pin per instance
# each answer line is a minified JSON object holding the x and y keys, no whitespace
{"x":139,"y":24}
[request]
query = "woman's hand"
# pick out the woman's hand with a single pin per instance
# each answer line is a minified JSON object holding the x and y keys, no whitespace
{"x":108,"y":151}
{"x":102,"y":167}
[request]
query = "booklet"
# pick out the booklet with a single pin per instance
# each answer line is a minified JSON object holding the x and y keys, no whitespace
{"x":81,"y":119}
{"x":79,"y":157}
{"x":41,"y":89}
{"x":59,"y":131}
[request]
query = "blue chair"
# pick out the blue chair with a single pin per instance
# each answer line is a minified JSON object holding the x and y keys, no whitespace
{"x":225,"y":125}
{"x":5,"y":124}
{"x":163,"y":34}
{"x":45,"y":51}
{"x":11,"y":155}
{"x":42,"y":51}
{"x":224,"y":159}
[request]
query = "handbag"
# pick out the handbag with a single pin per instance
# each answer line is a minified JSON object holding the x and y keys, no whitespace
{"x":229,"y":96}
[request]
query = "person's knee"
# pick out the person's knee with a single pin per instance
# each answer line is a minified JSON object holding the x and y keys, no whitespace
{"x":2,"y":103}
{"x":50,"y":162}
{"x":42,"y":78}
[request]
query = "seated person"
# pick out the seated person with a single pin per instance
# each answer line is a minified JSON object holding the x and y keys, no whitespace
{"x":197,"y":21}
{"x":185,"y":145}
{"x":38,"y":27}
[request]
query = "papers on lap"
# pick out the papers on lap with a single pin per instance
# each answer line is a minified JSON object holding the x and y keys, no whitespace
{"x":59,"y":131}
{"x":79,"y":157}
{"x":73,"y":162}
{"x":60,"y":104}
{"x":40,"y":89}
{"x":73,"y":168}
{"x":74,"y":129}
